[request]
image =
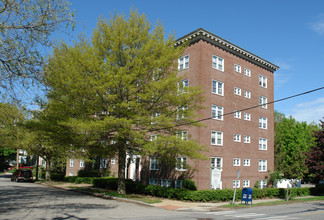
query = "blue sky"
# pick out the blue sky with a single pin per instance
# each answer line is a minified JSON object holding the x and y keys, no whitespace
{"x":288,"y":33}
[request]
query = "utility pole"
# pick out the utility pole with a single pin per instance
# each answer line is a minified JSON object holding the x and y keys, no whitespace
{"x":17,"y":159}
{"x":237,"y":178}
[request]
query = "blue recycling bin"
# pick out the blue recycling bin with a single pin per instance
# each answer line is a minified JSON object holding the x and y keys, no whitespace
{"x":247,"y":194}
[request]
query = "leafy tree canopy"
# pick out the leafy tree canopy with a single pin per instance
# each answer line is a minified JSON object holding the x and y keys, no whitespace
{"x":24,"y":26}
{"x":120,"y":89}
{"x":292,"y":140}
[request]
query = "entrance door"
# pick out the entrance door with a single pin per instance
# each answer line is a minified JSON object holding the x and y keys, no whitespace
{"x":216,"y":173}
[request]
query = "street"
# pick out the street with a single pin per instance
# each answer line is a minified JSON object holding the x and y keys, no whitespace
{"x":35,"y":201}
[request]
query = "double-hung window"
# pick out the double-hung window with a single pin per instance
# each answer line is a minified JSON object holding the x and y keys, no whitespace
{"x":246,"y":183}
{"x":247,"y":72}
{"x":181,"y":163}
{"x":263,"y":144}
{"x":182,"y":112}
{"x":218,"y":63}
{"x":263,"y":101}
{"x":154,"y":163}
{"x":262,"y":165}
{"x":183,"y":135}
{"x":263,"y":122}
{"x":237,"y":114}
{"x":71,"y":162}
{"x":217,"y":112}
{"x":236,"y":184}
{"x":247,"y":94}
{"x":237,"y":68}
{"x":103,"y":163}
{"x":217,"y":87}
{"x":183,"y":62}
{"x":153,"y":181}
{"x":247,"y":116}
{"x":81,"y":163}
{"x":237,"y":137}
{"x":246,"y":162}
{"x":217,"y":138}
{"x":183,"y":86}
{"x":216,"y":162}
{"x":263,"y":81}
{"x":236,"y":162}
{"x":166,"y":183}
{"x":247,"y":139}
{"x":237,"y":91}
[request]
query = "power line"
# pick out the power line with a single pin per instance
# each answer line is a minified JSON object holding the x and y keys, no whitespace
{"x":245,"y":109}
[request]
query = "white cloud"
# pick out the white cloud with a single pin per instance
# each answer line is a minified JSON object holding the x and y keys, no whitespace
{"x":318,"y":26}
{"x":309,"y":111}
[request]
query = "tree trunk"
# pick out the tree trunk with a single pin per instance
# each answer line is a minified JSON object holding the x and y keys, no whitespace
{"x":48,"y":170}
{"x":37,"y":167}
{"x":121,"y":170}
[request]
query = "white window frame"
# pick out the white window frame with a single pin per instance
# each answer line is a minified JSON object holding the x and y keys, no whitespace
{"x":154,"y":163}
{"x":247,"y":116}
{"x":183,"y":135}
{"x":236,"y":162}
{"x":183,"y":86}
{"x":216,"y":162}
{"x":237,"y":183}
{"x":154,"y":115}
{"x":103,"y":163}
{"x":247,"y":139}
{"x":263,"y":122}
{"x":247,"y":72}
{"x":71,"y":174}
{"x":247,"y":94}
{"x":237,"y":138}
{"x":263,"y":143}
{"x":218,"y":63}
{"x":263,"y":102}
{"x":72,"y":162}
{"x":217,"y":87}
{"x":166,"y":183}
{"x":246,"y":162}
{"x":246,"y":183}
{"x":237,"y":68}
{"x":217,"y":136}
{"x":262,"y":165}
{"x":153,"y":181}
{"x":113,"y":161}
{"x":263,"y":81}
{"x":183,"y":62}
{"x":263,"y":184}
{"x":237,"y":114}
{"x":237,"y":91}
{"x":81,"y":163}
{"x":181,"y":163}
{"x":182,"y":112}
{"x":217,"y":112}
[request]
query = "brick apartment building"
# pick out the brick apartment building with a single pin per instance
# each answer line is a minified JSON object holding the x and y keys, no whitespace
{"x":233,"y":79}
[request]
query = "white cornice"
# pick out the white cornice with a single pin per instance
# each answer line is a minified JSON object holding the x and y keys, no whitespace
{"x":217,"y":41}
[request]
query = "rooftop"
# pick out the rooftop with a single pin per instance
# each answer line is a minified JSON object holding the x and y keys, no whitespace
{"x":201,"y":34}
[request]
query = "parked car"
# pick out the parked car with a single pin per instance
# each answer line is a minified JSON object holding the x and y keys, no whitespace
{"x":22,"y":175}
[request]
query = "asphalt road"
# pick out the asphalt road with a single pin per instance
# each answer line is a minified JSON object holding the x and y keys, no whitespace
{"x":34,"y":201}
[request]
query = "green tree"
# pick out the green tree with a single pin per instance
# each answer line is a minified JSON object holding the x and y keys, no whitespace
{"x":121,"y":88}
{"x":24,"y":26}
{"x":315,"y":157}
{"x":292,"y":140}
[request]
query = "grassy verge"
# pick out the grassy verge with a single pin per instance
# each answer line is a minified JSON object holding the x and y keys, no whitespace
{"x":295,"y":200}
{"x":142,"y":198}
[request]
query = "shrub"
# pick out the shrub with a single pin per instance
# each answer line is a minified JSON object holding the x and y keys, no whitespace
{"x":189,"y":184}
{"x":57,"y":176}
{"x":76,"y":179}
{"x":89,"y":173}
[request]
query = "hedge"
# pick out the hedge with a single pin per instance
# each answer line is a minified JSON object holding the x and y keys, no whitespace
{"x":203,"y":195}
{"x":76,"y":179}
